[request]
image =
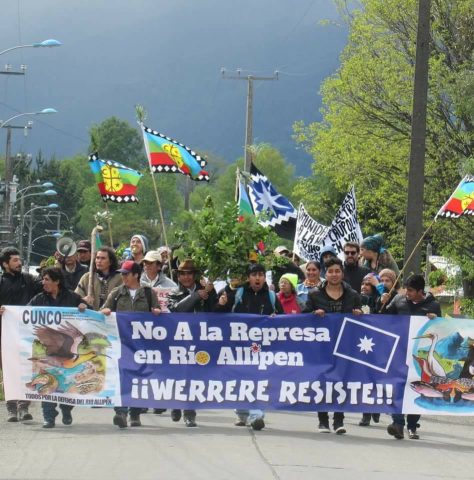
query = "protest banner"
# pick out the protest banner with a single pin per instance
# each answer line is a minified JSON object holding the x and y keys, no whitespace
{"x":309,"y":235}
{"x":366,"y":363}
{"x":345,"y":226}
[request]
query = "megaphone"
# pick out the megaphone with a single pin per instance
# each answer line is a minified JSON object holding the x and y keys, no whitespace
{"x":66,"y":246}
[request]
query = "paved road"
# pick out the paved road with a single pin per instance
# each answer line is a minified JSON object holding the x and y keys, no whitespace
{"x":289,"y":448}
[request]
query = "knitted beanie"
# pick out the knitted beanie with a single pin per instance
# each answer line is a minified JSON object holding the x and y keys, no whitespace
{"x":143,"y":240}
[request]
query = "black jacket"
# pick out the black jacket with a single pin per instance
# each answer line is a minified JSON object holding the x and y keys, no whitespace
{"x":402,"y":306}
{"x":181,"y":300}
{"x":230,"y":300}
{"x":71,"y":279}
{"x":258,"y":303}
{"x":18,"y":289}
{"x":354,"y":274}
{"x":319,"y":299}
{"x":65,"y":298}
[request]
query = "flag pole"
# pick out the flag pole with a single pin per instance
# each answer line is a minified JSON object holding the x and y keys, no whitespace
{"x":163,"y":227}
{"x":109,"y":224}
{"x":237,"y":182}
{"x":408,"y":259}
{"x":141,"y":116}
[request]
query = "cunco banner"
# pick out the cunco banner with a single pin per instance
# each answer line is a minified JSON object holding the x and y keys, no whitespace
{"x":309,"y":235}
{"x":367,"y":363}
{"x":345,"y":226}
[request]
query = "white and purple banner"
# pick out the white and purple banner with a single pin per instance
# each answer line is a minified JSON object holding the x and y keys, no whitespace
{"x":366,"y":363}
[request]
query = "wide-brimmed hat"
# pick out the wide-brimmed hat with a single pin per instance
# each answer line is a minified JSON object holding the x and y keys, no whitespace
{"x":187,"y":265}
{"x":152,"y":256}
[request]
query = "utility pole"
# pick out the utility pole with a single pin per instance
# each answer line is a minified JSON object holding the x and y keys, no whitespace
{"x":8,"y":180}
{"x":249,"y":117}
{"x":416,"y":175}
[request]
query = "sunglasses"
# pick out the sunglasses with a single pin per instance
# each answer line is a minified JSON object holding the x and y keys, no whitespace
{"x":350,"y":252}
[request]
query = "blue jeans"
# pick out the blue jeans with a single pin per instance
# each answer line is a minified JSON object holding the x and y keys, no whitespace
{"x":50,"y":412}
{"x":412,"y":420}
{"x":251,"y":415}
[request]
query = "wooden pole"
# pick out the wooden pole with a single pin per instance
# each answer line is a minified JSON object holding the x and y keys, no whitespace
{"x":163,"y":227}
{"x":109,"y":224}
{"x":409,"y":258}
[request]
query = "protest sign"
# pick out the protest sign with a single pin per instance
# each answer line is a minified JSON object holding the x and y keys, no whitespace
{"x":345,"y":226}
{"x":366,"y":363}
{"x":309,"y":235}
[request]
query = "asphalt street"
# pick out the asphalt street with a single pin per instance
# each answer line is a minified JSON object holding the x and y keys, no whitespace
{"x":288,"y":448}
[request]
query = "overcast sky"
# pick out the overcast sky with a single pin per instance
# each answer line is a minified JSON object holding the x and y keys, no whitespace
{"x":167,"y":55}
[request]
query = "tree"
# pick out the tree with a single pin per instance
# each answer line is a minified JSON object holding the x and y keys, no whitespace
{"x":115,"y":139}
{"x":365,"y":132}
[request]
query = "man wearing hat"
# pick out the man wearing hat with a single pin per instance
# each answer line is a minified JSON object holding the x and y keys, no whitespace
{"x":138,"y":248}
{"x":192,"y":297}
{"x":84,"y":253}
{"x":254,"y":297}
{"x":152,"y":275}
{"x":130,"y":297}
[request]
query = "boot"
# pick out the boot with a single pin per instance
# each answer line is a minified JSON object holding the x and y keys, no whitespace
{"x":12,"y":411}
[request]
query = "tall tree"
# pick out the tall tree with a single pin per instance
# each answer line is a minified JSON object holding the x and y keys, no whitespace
{"x":365,"y":132}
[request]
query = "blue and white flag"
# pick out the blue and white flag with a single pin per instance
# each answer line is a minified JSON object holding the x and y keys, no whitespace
{"x":366,"y":344}
{"x":281,"y":214}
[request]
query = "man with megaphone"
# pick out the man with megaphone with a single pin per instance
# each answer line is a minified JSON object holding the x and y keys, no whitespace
{"x":66,"y":256}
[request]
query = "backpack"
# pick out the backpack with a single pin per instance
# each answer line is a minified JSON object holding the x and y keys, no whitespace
{"x":240,"y":292}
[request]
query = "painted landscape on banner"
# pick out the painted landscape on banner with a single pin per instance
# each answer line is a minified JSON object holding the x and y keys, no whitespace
{"x":367,"y":363}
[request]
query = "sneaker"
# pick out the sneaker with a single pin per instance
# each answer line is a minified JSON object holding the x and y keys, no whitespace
{"x":395,"y":430}
{"x":135,"y":421}
{"x":339,"y":429}
{"x":258,"y":424}
{"x":159,"y":411}
{"x":190,"y":422}
{"x":120,"y":419}
{"x":67,"y":417}
{"x":144,"y":410}
{"x":365,"y":421}
{"x":50,"y":423}
{"x":324,"y":428}
{"x":376,"y":417}
{"x":412,"y":435}
{"x":176,"y":415}
{"x":240,"y":423}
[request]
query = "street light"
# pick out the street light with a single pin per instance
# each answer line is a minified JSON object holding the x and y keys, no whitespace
{"x":8,"y":167}
{"x":30,"y":228}
{"x":45,"y":111}
{"x":51,"y":42}
{"x":47,"y":193}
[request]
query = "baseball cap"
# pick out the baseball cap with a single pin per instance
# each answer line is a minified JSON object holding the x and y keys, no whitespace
{"x":255,"y":267}
{"x":128,"y":266}
{"x":84,"y":245}
{"x":152,"y":256}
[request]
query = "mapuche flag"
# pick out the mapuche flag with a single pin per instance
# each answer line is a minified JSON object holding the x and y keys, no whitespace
{"x":169,"y":156}
{"x":461,"y":202}
{"x":115,"y":181}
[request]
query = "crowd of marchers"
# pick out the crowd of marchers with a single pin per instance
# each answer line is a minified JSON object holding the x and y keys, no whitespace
{"x":365,"y":282}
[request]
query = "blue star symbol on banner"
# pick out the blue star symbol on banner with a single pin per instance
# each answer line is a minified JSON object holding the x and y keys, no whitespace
{"x":266,"y":200}
{"x":365,"y":344}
